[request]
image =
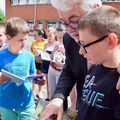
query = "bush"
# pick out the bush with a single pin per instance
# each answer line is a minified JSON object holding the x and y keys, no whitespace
{"x":2,"y":17}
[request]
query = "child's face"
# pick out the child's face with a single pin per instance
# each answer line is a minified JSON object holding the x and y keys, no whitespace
{"x":96,"y":53}
{"x":2,"y":35}
{"x":51,"y":36}
{"x":37,"y":37}
{"x":18,"y":42}
{"x":59,"y":35}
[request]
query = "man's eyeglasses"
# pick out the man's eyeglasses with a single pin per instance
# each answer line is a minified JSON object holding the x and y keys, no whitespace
{"x":72,"y":22}
{"x":89,"y":44}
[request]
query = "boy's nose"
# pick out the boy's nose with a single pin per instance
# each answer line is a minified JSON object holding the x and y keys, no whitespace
{"x":81,"y":51}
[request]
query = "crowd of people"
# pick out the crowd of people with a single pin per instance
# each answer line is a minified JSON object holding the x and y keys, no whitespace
{"x":84,"y":63}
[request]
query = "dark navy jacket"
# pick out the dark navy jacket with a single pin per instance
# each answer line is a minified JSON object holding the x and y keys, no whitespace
{"x":74,"y":70}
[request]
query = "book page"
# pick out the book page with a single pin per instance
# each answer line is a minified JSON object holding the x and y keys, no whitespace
{"x":45,"y":56}
{"x":42,"y":55}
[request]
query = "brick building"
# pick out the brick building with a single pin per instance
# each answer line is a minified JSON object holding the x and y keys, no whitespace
{"x":39,"y":13}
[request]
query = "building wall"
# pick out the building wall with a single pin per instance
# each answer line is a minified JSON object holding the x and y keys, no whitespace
{"x":44,"y":12}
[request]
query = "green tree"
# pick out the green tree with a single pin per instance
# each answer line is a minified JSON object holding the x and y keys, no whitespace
{"x":2,"y":17}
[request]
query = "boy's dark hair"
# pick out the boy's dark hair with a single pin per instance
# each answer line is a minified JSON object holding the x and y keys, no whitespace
{"x":41,"y":32}
{"x":101,"y":21}
{"x":16,"y":25}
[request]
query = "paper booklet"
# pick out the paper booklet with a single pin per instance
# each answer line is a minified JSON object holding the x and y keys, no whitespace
{"x":43,"y":55}
{"x":19,"y":80}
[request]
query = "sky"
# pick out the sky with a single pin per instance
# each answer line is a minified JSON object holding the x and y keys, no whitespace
{"x":2,"y":5}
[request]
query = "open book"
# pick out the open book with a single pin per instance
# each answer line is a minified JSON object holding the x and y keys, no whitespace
{"x":19,"y":80}
{"x":43,"y":55}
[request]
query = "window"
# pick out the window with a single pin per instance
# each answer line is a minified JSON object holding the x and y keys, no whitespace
{"x":51,"y":23}
{"x":31,"y":1}
{"x":22,"y":2}
{"x":43,"y":1}
{"x":40,"y":24}
{"x":31,"y":24}
{"x":14,"y":2}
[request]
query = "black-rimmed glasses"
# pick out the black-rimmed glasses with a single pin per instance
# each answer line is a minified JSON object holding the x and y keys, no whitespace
{"x":72,"y":22}
{"x":89,"y":44}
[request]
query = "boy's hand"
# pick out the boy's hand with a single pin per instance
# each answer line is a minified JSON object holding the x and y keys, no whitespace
{"x":3,"y":78}
{"x":53,"y":108}
{"x":39,"y":81}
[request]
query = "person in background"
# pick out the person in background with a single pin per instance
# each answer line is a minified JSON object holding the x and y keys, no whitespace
{"x":99,"y":33}
{"x":16,"y":101}
{"x":76,"y":67}
{"x":3,"y":38}
{"x":37,"y":45}
{"x":48,"y":48}
{"x":51,"y":40}
{"x":57,"y":61}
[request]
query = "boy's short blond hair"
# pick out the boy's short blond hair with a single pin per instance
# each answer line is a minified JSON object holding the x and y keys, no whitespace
{"x":15,"y":25}
{"x":102,"y":21}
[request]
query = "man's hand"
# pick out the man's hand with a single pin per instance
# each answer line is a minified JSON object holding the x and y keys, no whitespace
{"x":54,"y":107}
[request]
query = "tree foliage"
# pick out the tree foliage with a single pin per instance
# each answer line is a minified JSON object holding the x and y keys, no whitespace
{"x":2,"y":17}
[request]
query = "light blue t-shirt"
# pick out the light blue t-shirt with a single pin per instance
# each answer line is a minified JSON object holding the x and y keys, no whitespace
{"x":11,"y":94}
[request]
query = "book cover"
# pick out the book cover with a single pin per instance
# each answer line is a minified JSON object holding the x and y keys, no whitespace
{"x":18,"y":79}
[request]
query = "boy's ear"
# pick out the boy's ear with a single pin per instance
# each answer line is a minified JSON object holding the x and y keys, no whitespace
{"x":8,"y":37}
{"x":112,"y":40}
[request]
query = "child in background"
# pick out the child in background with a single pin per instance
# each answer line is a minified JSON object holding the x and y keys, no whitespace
{"x":99,"y":33}
{"x":49,"y":48}
{"x":16,"y":101}
{"x":2,"y":35}
{"x":37,"y":45}
{"x":58,"y":59}
{"x":51,"y":40}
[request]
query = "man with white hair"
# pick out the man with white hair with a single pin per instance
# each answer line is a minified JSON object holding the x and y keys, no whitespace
{"x":75,"y":68}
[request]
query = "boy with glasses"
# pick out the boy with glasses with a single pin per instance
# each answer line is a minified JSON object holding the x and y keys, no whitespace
{"x":100,"y":43}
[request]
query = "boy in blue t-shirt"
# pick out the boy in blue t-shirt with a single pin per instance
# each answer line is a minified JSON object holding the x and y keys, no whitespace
{"x":16,"y":101}
{"x":99,"y":33}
